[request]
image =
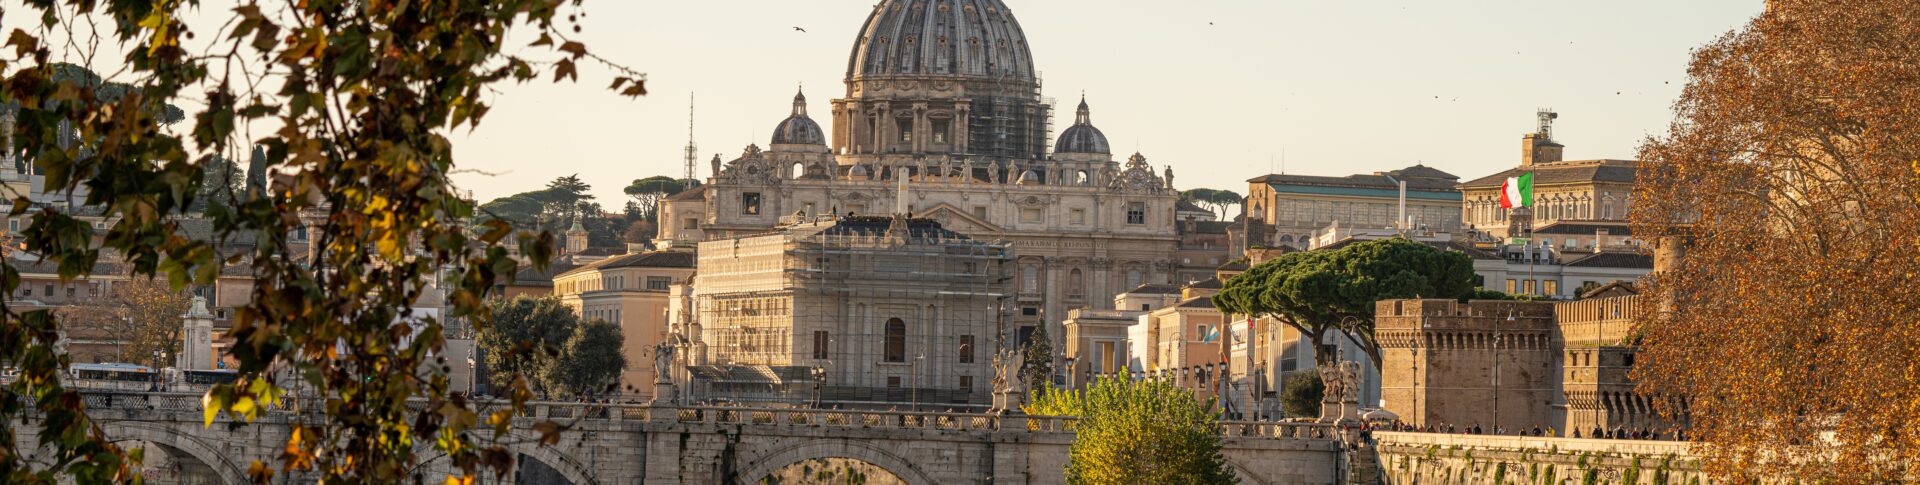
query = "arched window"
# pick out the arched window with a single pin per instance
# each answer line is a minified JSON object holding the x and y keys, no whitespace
{"x":1133,"y":279}
{"x":1286,"y":240}
{"x":797,"y":171}
{"x":1076,"y":283}
{"x":1082,"y":179}
{"x":1030,"y":278}
{"x":896,"y":340}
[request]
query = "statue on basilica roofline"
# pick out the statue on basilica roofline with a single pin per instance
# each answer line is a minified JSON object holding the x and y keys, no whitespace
{"x":1169,"y":177}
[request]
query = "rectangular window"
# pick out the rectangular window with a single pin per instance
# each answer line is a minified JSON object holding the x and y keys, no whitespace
{"x":940,"y":132}
{"x":893,"y":382}
{"x":980,"y":212}
{"x":659,"y":283}
{"x":820,"y":344}
{"x":750,"y":203}
{"x":966,"y":384}
{"x":1510,"y":287}
{"x":1078,"y":216}
{"x":1136,"y":213}
{"x":1029,"y":311}
{"x":906,"y":130}
{"x":13,"y":225}
{"x":1030,"y":215}
{"x":1530,"y":287}
{"x":690,"y":223}
{"x":1550,"y":287}
{"x":1103,"y":358}
{"x":966,"y":349}
{"x":47,"y":290}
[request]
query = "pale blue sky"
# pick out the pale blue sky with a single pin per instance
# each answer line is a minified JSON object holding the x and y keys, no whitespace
{"x":1341,"y":86}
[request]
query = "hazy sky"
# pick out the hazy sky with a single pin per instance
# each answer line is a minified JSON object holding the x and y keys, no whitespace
{"x":1216,"y":88}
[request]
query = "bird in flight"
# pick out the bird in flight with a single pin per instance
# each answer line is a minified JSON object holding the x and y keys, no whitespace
{"x":799,"y":29}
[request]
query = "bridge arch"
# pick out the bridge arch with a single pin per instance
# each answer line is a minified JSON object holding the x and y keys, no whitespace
{"x":570,"y":468}
{"x":174,"y":440}
{"x":437,"y":465}
{"x":831,"y":448}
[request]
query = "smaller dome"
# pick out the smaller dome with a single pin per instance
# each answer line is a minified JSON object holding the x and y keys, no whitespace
{"x":1082,"y":137}
{"x":798,"y":129}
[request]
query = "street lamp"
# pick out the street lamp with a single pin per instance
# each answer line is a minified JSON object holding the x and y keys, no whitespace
{"x":819,"y":378}
{"x":1070,"y":372}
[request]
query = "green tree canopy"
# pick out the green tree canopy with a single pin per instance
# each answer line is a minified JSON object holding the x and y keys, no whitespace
{"x":1219,"y":201}
{"x":648,"y":192}
{"x":544,"y":342}
{"x":1300,"y":395}
{"x":589,"y":363}
{"x":1037,"y":359}
{"x":1328,"y":294}
{"x":525,"y":333}
{"x":1139,"y":432}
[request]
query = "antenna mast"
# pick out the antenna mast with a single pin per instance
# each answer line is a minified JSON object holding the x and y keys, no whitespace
{"x":693,"y":150}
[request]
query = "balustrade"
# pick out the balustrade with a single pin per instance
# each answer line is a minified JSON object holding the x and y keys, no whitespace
{"x":743,"y":416}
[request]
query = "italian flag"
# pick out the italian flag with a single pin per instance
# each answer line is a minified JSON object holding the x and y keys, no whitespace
{"x":1517,"y":192}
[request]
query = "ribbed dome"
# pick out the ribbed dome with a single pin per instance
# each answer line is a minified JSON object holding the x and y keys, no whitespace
{"x":1082,"y":137}
{"x":799,"y":129}
{"x":969,"y":38}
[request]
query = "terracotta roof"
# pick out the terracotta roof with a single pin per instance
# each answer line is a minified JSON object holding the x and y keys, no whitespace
{"x":1575,"y":171}
{"x":529,"y":276}
{"x":649,"y":259}
{"x":696,"y":193}
{"x":1156,"y":289}
{"x":1418,"y":177}
{"x":1586,"y":228}
{"x":1186,"y":206}
{"x":1617,"y":288}
{"x":1614,"y":259}
{"x":1235,"y":265}
{"x":1206,"y":284}
{"x":1197,"y":302}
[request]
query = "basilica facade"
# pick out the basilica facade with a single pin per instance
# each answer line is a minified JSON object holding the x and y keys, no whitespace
{"x":942,"y":119}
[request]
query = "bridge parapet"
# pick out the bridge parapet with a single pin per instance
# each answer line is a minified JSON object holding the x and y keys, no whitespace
{"x":718,"y":415}
{"x":633,"y":443}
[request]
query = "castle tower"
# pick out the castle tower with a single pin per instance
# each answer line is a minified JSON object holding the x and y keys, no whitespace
{"x":196,"y":334}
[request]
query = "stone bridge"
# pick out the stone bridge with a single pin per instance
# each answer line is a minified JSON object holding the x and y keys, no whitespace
{"x":658,"y":444}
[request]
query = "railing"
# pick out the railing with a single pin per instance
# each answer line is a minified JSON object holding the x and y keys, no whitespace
{"x":713,"y":415}
{"x":1275,"y":430}
{"x":838,"y":418}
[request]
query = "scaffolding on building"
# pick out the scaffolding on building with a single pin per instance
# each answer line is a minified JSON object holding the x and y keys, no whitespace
{"x":849,"y":278}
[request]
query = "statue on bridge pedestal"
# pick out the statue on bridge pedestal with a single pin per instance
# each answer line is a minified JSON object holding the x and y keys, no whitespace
{"x":663,"y":372}
{"x":1341,"y":400}
{"x":1008,"y":390}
